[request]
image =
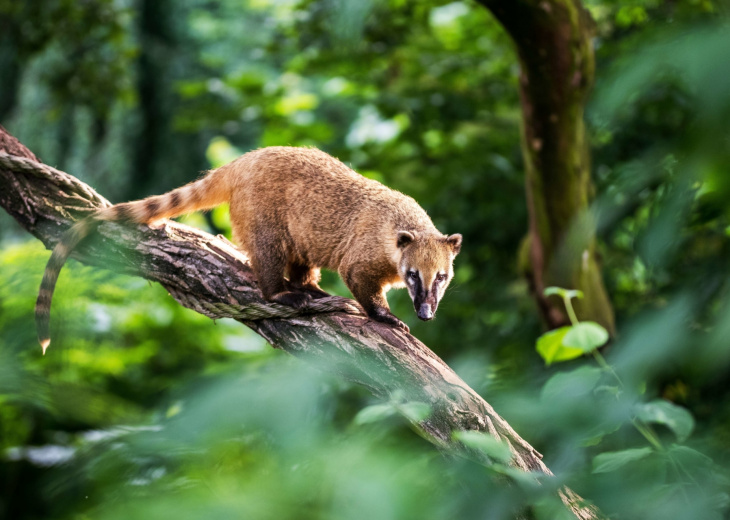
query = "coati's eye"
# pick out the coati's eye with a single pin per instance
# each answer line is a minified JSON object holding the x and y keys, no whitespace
{"x":440,"y":277}
{"x":413,"y":275}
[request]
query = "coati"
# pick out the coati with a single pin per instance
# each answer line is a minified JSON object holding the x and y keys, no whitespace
{"x":294,"y":211}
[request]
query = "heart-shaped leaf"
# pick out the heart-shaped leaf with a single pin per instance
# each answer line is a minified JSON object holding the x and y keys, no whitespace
{"x":567,"y":385}
{"x":550,"y":346}
{"x":674,"y":417}
{"x":586,"y":336}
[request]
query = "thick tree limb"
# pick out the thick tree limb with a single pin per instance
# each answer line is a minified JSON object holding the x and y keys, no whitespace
{"x":203,"y":272}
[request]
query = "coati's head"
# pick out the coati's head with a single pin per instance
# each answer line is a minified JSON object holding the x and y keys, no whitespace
{"x":426,"y":267}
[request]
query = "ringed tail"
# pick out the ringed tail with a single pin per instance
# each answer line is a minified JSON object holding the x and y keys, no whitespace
{"x":208,"y":192}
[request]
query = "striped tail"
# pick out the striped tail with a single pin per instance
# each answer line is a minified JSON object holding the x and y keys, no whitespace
{"x":61,"y":252}
{"x":208,"y":192}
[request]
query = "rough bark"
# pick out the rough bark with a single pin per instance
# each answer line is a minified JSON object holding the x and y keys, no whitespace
{"x":194,"y":265}
{"x":553,"y":41}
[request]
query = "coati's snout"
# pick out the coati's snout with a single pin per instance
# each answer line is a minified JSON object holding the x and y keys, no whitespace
{"x":426,"y":268}
{"x":425,"y":304}
{"x":425,"y":312}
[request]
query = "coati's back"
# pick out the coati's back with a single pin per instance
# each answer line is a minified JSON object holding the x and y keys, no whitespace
{"x":323,"y":206}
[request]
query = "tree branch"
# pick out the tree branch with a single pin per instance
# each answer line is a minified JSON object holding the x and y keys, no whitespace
{"x":208,"y":274}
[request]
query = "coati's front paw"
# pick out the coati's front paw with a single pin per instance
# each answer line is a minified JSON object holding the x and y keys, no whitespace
{"x":312,"y":290}
{"x":384,"y":316}
{"x":292,"y":299}
{"x":315,"y":292}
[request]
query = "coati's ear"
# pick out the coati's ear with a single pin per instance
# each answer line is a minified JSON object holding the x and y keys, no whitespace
{"x":455,"y":242}
{"x":405,"y":238}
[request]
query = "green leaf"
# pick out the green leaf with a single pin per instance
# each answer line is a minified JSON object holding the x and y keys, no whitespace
{"x":586,"y":336}
{"x":690,"y":458}
{"x":415,"y":410}
{"x":612,"y":390}
{"x":550,"y":346}
{"x":613,"y":460}
{"x":549,"y":291}
{"x":574,"y":293}
{"x":674,"y":417}
{"x":485,"y":443}
{"x":563,"y":293}
{"x":528,"y":480}
{"x":374,"y":413}
{"x":578,"y":382}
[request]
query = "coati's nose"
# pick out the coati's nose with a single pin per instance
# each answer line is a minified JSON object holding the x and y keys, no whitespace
{"x":424,"y":312}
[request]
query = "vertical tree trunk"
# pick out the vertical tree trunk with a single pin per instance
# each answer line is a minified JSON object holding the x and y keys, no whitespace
{"x":12,"y":69}
{"x":156,"y":41}
{"x":157,"y":145}
{"x":553,"y":41}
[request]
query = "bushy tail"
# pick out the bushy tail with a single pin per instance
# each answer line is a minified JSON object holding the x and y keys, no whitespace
{"x":60,"y":254}
{"x":208,"y":192}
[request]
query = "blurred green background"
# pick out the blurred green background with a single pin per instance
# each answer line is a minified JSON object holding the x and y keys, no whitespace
{"x":143,"y":409}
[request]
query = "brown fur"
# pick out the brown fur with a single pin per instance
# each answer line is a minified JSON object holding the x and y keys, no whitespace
{"x":294,"y":211}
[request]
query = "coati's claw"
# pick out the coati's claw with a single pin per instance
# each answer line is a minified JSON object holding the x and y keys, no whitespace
{"x":311,"y":289}
{"x":315,"y":293}
{"x":318,"y":294}
{"x":292,"y":299}
{"x":390,"y":320}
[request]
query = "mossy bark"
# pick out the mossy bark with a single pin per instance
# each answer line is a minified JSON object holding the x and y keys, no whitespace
{"x":554,"y":44}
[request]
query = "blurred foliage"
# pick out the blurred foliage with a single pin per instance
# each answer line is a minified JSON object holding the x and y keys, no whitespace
{"x":145,"y":409}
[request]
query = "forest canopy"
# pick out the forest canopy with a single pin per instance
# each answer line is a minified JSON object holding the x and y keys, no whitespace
{"x":145,"y":409}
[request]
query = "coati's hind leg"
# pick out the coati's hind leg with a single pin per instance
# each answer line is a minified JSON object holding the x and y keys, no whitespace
{"x":269,"y":262}
{"x":305,"y":278}
{"x":370,"y":294}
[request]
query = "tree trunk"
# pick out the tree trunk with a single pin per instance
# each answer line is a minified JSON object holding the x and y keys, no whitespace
{"x":207,"y":273}
{"x":154,"y":105}
{"x":160,"y":145}
{"x":553,"y":41}
{"x":12,"y":68}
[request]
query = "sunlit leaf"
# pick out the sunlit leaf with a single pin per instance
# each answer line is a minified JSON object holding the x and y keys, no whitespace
{"x":613,"y":460}
{"x":220,"y":151}
{"x":295,"y":102}
{"x":563,"y":293}
{"x":674,"y":417}
{"x":550,"y":346}
{"x":549,"y":291}
{"x":586,"y":336}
